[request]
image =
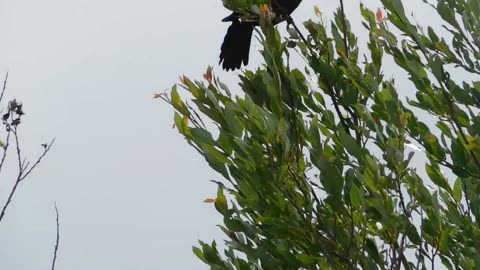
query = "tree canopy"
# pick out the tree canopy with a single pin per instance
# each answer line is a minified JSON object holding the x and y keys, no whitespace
{"x":320,"y":175}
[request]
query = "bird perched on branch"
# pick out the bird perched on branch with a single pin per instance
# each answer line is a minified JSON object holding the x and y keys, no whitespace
{"x":236,"y":44}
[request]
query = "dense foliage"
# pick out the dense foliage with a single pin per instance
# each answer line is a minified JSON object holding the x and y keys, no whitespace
{"x":320,"y":176}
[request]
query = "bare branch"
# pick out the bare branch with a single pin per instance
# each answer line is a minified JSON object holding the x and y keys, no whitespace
{"x":23,"y":173}
{"x":2,"y":214}
{"x":58,"y":239}
{"x":5,"y":148}
{"x":47,"y":149}
{"x":4,"y":87}
{"x":19,"y":154}
{"x":5,"y":145}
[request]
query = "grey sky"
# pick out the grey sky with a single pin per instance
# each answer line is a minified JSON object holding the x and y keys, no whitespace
{"x":128,"y":187}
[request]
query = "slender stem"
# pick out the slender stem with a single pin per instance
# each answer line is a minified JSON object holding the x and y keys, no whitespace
{"x":47,"y":149}
{"x":290,"y":21}
{"x":4,"y":87}
{"x":5,"y":148}
{"x":57,"y":239}
{"x":9,"y":200}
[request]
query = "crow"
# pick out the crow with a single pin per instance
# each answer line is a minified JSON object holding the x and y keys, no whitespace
{"x":236,"y":44}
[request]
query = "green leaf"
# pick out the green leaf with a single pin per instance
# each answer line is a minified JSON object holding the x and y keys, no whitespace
{"x":234,"y":123}
{"x":201,"y":136}
{"x":412,"y":233}
{"x":398,"y":8}
{"x":372,"y":250}
{"x":198,"y":252}
{"x":351,"y":145}
{"x":210,"y":254}
{"x":437,"y":177}
{"x":216,"y":159}
{"x":459,"y":155}
{"x":356,"y":196}
{"x":234,"y":225}
{"x":474,"y":129}
{"x":331,"y":179}
{"x":445,"y":129}
{"x":221,"y":202}
{"x":457,"y":190}
{"x":177,"y":102}
{"x":436,"y":66}
{"x":182,"y":125}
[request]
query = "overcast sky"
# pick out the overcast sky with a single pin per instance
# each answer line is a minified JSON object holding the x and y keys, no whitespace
{"x":128,"y":187}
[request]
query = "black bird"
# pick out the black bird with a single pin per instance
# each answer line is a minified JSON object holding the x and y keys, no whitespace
{"x":236,"y":44}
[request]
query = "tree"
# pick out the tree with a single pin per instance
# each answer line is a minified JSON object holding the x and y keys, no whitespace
{"x":320,"y":177}
{"x":12,"y":116}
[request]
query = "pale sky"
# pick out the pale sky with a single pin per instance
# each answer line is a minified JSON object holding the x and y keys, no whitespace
{"x":128,"y":186}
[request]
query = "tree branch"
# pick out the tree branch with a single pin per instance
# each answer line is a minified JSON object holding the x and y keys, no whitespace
{"x":4,"y":87}
{"x":57,"y":239}
{"x":22,"y":174}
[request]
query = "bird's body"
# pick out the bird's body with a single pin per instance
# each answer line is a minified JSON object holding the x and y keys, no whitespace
{"x":236,"y":44}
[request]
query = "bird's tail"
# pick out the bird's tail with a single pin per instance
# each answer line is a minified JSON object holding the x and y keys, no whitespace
{"x":236,"y":45}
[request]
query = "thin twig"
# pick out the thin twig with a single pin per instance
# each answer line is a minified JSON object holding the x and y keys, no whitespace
{"x":5,"y":148}
{"x":38,"y":160}
{"x":4,"y":87}
{"x":2,"y":214}
{"x":402,"y":201}
{"x":21,"y":176}
{"x":57,"y":240}
{"x":19,"y":153}
{"x":352,"y":228}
